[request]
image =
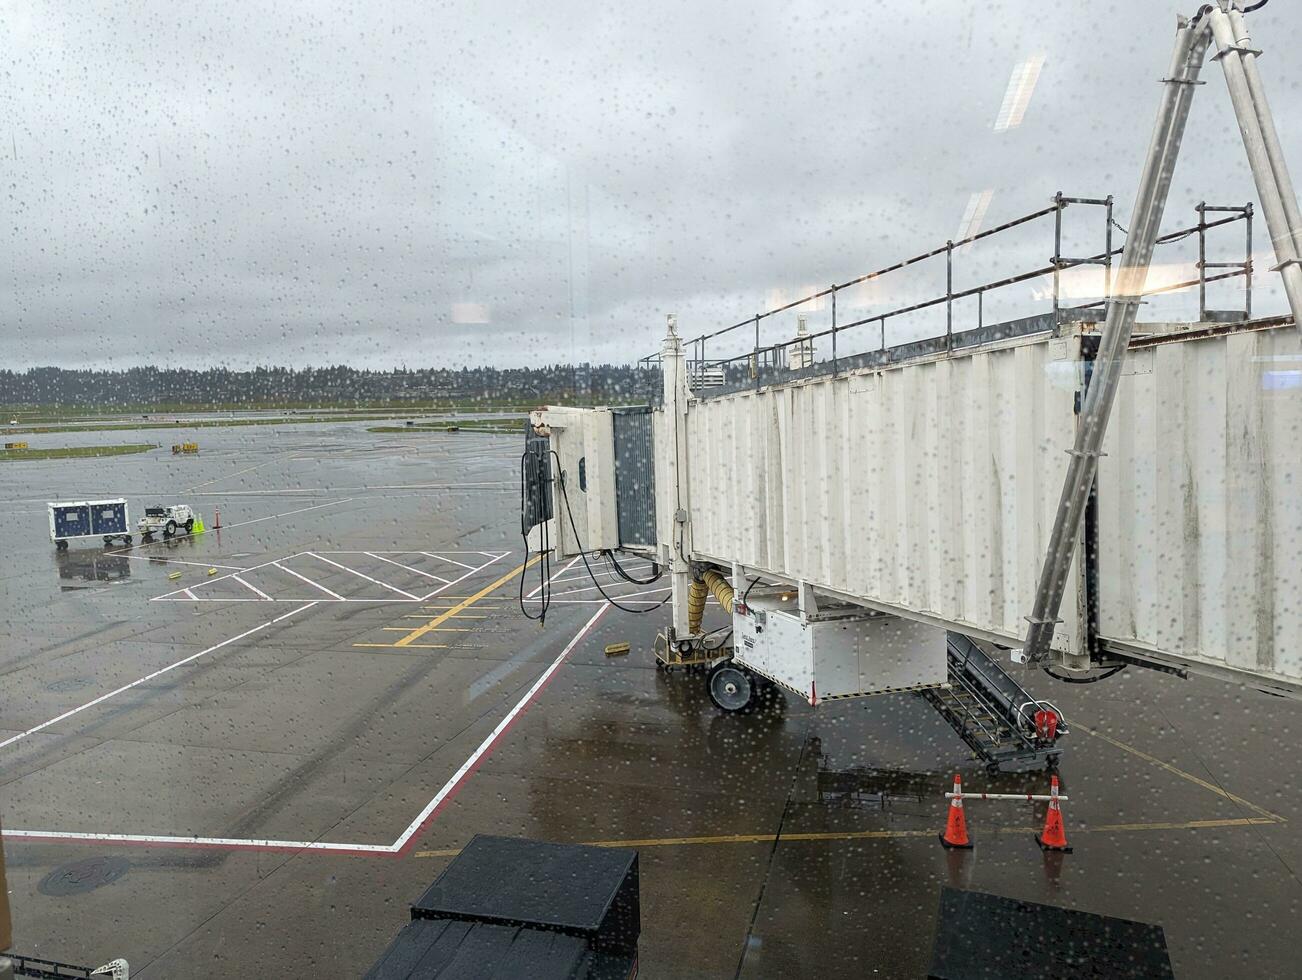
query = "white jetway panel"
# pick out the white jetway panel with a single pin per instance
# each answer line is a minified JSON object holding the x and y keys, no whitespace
{"x":838,"y":652}
{"x":925,"y":488}
{"x":585,"y":509}
{"x":1200,"y":504}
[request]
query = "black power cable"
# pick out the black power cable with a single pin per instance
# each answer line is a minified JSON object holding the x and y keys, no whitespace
{"x":658,"y":572}
{"x":565,"y":496}
{"x":1255,"y":6}
{"x":545,"y":564}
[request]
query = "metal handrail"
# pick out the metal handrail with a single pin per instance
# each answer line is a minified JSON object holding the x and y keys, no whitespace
{"x":762,"y":357}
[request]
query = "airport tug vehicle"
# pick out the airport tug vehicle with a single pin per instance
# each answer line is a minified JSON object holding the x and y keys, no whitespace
{"x":166,"y":521}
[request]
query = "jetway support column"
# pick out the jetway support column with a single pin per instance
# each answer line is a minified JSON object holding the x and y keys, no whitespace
{"x":677,"y":491}
{"x":1257,"y":128}
{"x":1150,"y":201}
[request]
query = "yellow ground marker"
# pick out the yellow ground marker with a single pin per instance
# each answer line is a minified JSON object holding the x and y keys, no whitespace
{"x":1197,"y":781}
{"x":464,"y":604}
{"x":173,"y":575}
{"x":1115,"y":828}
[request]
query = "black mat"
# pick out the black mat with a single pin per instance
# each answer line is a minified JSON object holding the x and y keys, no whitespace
{"x":989,"y":937}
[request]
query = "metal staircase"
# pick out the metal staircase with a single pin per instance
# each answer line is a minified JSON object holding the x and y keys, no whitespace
{"x":994,"y":714}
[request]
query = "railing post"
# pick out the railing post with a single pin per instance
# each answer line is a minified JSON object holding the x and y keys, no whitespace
{"x":1202,"y":260}
{"x":882,"y":323}
{"x":1247,"y":261}
{"x":1057,"y":258}
{"x":834,"y":360}
{"x":949,"y":295}
{"x":981,"y":309}
{"x":1107,"y":252}
{"x":757,"y":360}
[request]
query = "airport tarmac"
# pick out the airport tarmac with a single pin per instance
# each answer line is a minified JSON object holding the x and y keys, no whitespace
{"x":252,"y":772}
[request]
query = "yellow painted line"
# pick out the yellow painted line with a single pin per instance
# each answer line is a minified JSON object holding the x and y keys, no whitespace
{"x":458,"y":615}
{"x":436,"y":629}
{"x":1197,"y":781}
{"x":894,"y":834}
{"x":413,"y":646}
{"x":479,"y":606}
{"x":466,"y":603}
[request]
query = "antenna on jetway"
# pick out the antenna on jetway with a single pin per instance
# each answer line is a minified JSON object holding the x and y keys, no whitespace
{"x":1223,"y":23}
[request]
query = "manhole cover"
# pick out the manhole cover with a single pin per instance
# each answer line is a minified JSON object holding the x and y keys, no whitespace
{"x":84,"y":876}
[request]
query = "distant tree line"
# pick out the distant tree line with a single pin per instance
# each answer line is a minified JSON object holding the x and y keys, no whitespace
{"x":338,"y":386}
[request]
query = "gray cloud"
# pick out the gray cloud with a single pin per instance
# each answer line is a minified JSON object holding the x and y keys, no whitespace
{"x":250,"y":183}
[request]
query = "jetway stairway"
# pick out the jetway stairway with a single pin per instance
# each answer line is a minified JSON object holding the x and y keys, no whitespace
{"x":1001,"y":721}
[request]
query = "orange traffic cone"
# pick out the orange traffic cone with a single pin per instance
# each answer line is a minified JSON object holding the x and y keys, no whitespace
{"x":1054,"y":837}
{"x":955,"y":834}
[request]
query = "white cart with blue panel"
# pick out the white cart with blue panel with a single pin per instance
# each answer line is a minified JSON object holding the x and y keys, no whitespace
{"x":107,"y":519}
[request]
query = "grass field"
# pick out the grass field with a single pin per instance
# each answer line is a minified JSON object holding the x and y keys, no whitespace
{"x":76,"y":452}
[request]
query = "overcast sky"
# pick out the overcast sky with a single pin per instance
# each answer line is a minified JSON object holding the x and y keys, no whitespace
{"x":512,"y":183}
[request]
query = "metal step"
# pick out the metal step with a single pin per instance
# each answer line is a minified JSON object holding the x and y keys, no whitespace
{"x":990,"y":711}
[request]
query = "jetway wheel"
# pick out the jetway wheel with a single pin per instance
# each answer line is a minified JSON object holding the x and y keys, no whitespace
{"x":732,"y":688}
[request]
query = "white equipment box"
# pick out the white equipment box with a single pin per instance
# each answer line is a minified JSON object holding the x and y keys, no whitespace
{"x":838,"y":652}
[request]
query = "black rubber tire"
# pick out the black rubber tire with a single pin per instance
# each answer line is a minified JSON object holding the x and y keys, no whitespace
{"x":147,"y":537}
{"x":61,"y":545}
{"x":170,"y":529}
{"x":731,"y":688}
{"x":108,"y":540}
{"x":126,"y":539}
{"x":189,"y":526}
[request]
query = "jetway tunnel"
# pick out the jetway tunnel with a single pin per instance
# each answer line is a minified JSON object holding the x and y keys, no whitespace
{"x":923,"y":484}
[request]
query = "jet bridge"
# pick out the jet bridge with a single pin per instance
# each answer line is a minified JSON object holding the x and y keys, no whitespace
{"x":1083,"y":490}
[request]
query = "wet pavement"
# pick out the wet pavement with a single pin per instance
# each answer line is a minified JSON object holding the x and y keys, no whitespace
{"x":252,"y":772}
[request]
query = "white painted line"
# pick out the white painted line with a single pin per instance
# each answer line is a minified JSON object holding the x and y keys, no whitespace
{"x":448,"y":789}
{"x":436,"y":578}
{"x":449,"y":560}
{"x":236,"y":842}
{"x":315,"y":585}
{"x":593,"y":588}
{"x":444,"y":588}
{"x":385,"y":585}
{"x":190,"y":594}
{"x":590,"y":602}
{"x":502,"y":486}
{"x":149,"y":677}
{"x":432,"y":554}
{"x":472,"y":763}
{"x":177,"y":561}
{"x":288,"y":513}
{"x":253,"y":588}
{"x":220,"y":578}
{"x":218,"y":479}
{"x":382,"y":601}
{"x":554,"y":576}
